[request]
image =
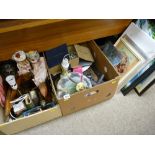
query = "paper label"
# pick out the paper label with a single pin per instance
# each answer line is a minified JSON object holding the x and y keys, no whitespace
{"x":66,"y":97}
{"x":11,"y":81}
{"x":18,"y":107}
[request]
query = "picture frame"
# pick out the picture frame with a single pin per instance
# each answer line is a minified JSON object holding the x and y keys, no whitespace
{"x":133,"y":60}
{"x":145,"y":84}
{"x":141,"y":39}
{"x":139,"y":77}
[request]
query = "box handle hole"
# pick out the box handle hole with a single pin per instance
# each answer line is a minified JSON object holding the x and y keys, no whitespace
{"x":108,"y":95}
{"x":92,"y":93}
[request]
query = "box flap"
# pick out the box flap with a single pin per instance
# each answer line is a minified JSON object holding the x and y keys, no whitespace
{"x":84,"y":53}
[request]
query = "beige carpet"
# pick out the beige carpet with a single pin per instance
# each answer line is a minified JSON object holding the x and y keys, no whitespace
{"x":120,"y":115}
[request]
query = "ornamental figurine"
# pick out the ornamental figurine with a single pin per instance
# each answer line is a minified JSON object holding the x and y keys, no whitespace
{"x":22,"y":63}
{"x":39,"y":71}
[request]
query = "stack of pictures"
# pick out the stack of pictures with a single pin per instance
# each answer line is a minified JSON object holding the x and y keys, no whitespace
{"x":140,"y":77}
{"x":133,"y":56}
{"x":145,"y":84}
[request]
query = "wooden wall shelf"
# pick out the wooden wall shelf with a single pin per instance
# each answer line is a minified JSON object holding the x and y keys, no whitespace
{"x":18,"y":24}
{"x":51,"y":33}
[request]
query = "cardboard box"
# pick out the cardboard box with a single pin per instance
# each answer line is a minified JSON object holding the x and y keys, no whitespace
{"x":96,"y":94}
{"x":30,"y":121}
{"x":77,"y":101}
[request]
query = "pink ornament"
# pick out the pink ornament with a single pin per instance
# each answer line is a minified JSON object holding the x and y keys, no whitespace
{"x":78,"y":69}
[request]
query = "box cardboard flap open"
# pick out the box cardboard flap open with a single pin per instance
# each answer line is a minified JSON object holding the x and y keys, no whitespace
{"x":84,"y":53}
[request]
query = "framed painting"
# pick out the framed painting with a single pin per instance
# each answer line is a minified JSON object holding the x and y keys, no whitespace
{"x":139,"y":77}
{"x":145,"y":84}
{"x":131,"y":61}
